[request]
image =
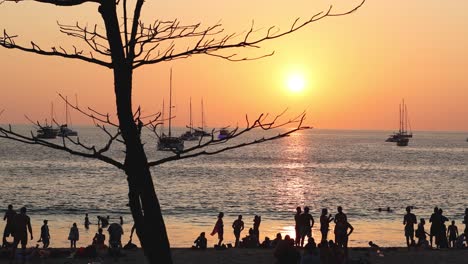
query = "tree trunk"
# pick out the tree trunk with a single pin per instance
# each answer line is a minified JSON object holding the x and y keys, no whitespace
{"x":144,"y":203}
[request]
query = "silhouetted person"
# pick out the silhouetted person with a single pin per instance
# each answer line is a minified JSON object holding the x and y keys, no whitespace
{"x":325,"y":224}
{"x":115,"y":235}
{"x":435,"y":221}
{"x":421,"y":232}
{"x":340,"y":222}
{"x":86,"y":222}
{"x":132,"y":231}
{"x":298,"y":225}
{"x":277,"y":240}
{"x":103,"y":221}
{"x":310,"y":255}
{"x":250,"y":241}
{"x":308,"y":223}
{"x":409,"y":220}
{"x":465,"y":221}
{"x":442,"y":238}
{"x":219,"y":228}
{"x":452,"y":233}
{"x":238,"y":226}
{"x":200,"y":242}
{"x":286,"y":253}
{"x":74,"y":235}
{"x":266,"y":243}
{"x":9,"y":216}
{"x":21,"y":226}
{"x":45,"y":235}
{"x":342,"y":235}
{"x":99,"y":239}
{"x":121,"y":221}
{"x":256,"y":227}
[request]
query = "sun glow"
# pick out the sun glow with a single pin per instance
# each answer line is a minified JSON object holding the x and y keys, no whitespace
{"x":295,"y":83}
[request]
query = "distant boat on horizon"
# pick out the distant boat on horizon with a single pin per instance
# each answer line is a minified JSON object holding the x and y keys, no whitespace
{"x":168,"y":142}
{"x":200,"y":132}
{"x":402,"y":136}
{"x":64,"y":130}
{"x":190,"y":134}
{"x":223,"y":133}
{"x":48,"y":131}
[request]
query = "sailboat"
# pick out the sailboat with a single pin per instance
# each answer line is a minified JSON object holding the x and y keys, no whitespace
{"x":200,"y":132}
{"x":65,"y":131}
{"x":48,"y":131}
{"x":168,"y":142}
{"x":402,"y":136}
{"x":190,"y":135}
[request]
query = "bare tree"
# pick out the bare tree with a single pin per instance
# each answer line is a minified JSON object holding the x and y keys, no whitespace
{"x":124,"y":46}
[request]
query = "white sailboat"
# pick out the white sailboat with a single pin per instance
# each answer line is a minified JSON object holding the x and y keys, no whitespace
{"x":168,"y":142}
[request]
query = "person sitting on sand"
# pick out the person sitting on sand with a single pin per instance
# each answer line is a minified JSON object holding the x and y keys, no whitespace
{"x":325,"y":224}
{"x":409,"y":220}
{"x":307,"y":224}
{"x":460,"y":241}
{"x":420,"y":232}
{"x":73,"y":236}
{"x":285,"y":252}
{"x":250,"y":241}
{"x":45,"y":235}
{"x":310,"y":243}
{"x":219,"y":228}
{"x":9,"y":216}
{"x":266,"y":243}
{"x":238,"y":226}
{"x":298,"y":226}
{"x":99,"y":239}
{"x":452,"y":233}
{"x":21,"y":226}
{"x":115,"y":235}
{"x":200,"y":242}
{"x":310,"y":255}
{"x":277,"y":240}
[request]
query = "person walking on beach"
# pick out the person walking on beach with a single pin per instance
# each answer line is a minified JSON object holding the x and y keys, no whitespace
{"x":86,"y":222}
{"x":45,"y":235}
{"x":219,"y":228}
{"x":409,"y":220}
{"x":21,"y":226}
{"x":238,"y":226}
{"x":9,"y":216}
{"x":256,"y":227}
{"x":452,"y":233}
{"x":435,"y":221}
{"x":73,"y":236}
{"x":298,"y":226}
{"x":308,"y":223}
{"x":325,"y":223}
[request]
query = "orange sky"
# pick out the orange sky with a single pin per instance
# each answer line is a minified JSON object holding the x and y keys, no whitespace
{"x":357,"y":68}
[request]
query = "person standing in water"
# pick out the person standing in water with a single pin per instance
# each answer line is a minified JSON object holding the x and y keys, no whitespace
{"x":409,"y":220}
{"x":86,"y":222}
{"x":219,"y":228}
{"x":238,"y":226}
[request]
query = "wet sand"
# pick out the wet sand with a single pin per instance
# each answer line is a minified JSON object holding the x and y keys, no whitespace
{"x":260,"y":256}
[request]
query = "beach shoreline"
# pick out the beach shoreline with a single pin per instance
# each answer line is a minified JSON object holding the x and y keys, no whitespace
{"x":260,"y":256}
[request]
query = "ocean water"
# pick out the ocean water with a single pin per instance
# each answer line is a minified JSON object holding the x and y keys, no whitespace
{"x":316,"y":168}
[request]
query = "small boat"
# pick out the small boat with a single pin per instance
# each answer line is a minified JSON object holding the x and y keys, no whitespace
{"x":64,"y":130}
{"x":168,"y":142}
{"x":402,"y":136}
{"x":190,"y":135}
{"x":200,"y":132}
{"x":224,"y":133}
{"x":47,"y":132}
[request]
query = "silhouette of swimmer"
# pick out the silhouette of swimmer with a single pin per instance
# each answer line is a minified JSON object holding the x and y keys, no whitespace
{"x":219,"y":228}
{"x":298,"y":225}
{"x":256,"y":227}
{"x":200,"y":242}
{"x":21,"y":226}
{"x":9,"y":217}
{"x":325,"y":223}
{"x":238,"y":226}
{"x":308,"y":223}
{"x":86,"y":222}
{"x":388,"y":210}
{"x":409,"y":220}
{"x":74,"y":235}
{"x":452,"y":233}
{"x":45,"y":235}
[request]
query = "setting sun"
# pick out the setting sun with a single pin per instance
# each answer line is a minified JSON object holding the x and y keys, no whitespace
{"x":296,"y":83}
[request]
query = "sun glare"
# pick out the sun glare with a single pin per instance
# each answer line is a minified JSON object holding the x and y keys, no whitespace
{"x":295,"y":83}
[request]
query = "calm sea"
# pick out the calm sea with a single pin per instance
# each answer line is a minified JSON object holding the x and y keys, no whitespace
{"x":315,"y":168}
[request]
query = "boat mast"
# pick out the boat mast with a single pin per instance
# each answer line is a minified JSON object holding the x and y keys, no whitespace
{"x":202,"y":116}
{"x":162,"y":118}
{"x":191,"y":120}
{"x":399,"y":130}
{"x":170,"y":103}
{"x":66,"y":110}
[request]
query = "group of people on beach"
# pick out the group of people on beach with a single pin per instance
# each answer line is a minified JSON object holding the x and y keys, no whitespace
{"x":18,"y":225}
{"x":443,"y":236}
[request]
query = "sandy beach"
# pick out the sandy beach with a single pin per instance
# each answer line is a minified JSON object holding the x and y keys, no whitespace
{"x":260,"y":256}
